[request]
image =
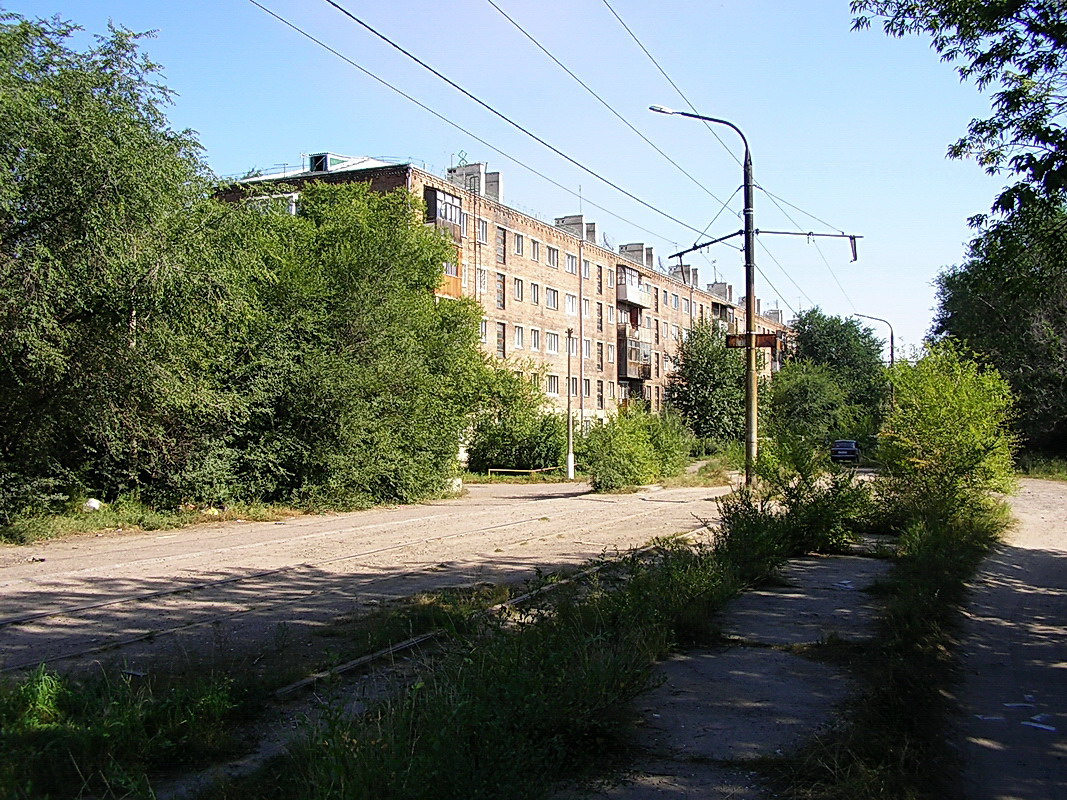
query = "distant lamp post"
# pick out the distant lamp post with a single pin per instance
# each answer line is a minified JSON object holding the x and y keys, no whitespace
{"x":570,"y":416}
{"x":751,"y":386}
{"x":879,"y":319}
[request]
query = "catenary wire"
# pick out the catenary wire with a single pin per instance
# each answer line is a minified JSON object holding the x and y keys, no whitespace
{"x":602,"y":101}
{"x":455,"y":125}
{"x":506,"y":118}
{"x":707,"y":125}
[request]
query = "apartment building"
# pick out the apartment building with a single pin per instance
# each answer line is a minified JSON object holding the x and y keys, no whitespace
{"x":579,"y":318}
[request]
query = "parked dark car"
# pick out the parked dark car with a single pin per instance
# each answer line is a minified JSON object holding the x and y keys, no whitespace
{"x":845,"y":451}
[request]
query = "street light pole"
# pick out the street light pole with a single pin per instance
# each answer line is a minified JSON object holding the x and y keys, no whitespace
{"x":570,"y":417}
{"x":879,"y":319}
{"x":751,"y":384}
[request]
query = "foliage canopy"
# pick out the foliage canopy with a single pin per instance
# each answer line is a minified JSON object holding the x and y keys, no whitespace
{"x":1020,"y":48}
{"x":707,"y":386}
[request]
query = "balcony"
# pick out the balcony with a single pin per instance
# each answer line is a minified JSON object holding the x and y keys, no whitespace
{"x":629,"y":332}
{"x":634,"y":371}
{"x":636,"y":294}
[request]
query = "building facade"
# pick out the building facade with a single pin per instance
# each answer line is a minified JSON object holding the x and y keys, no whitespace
{"x":579,"y":318}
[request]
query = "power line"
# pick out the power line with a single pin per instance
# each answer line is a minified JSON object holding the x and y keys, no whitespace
{"x":505,"y":118}
{"x":708,"y":125}
{"x":455,"y":125}
{"x":601,"y":100}
{"x":790,"y":277}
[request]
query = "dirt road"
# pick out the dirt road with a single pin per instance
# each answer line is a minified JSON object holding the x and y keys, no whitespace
{"x":1014,"y":731}
{"x":133,"y":598}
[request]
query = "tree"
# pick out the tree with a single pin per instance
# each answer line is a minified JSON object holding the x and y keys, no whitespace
{"x":1020,"y":48}
{"x":707,"y":386}
{"x":946,"y":442}
{"x":1008,"y":303}
{"x":849,"y":350}
{"x":807,"y":400}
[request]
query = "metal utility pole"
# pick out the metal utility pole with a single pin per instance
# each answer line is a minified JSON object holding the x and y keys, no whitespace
{"x":570,"y":417}
{"x":751,"y":384}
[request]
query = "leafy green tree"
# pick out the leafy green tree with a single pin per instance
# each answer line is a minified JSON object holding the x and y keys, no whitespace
{"x":807,"y":400}
{"x":1008,"y":302}
{"x":848,"y":349}
{"x":707,"y":386}
{"x":512,"y":428}
{"x":946,"y":442}
{"x":117,"y":301}
{"x":634,"y":447}
{"x":1016,"y":47}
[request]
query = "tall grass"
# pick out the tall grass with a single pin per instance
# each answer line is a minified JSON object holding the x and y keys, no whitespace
{"x":62,"y":738}
{"x":521,"y":703}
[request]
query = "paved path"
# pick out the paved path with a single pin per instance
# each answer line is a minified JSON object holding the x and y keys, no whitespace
{"x":131,"y":597}
{"x":753,"y":697}
{"x":1014,"y":696}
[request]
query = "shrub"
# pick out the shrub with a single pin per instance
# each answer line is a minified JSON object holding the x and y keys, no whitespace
{"x":634,"y":447}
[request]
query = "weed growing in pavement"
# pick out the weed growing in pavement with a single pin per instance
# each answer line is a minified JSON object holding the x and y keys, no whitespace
{"x":98,"y":737}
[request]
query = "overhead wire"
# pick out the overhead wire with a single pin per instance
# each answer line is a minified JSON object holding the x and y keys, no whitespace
{"x":455,"y":125}
{"x":505,"y":118}
{"x":774,"y":198}
{"x":602,"y":101}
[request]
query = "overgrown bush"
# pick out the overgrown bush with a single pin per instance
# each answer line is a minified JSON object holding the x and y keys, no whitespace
{"x":512,"y":428}
{"x":946,"y":443}
{"x":634,"y":447}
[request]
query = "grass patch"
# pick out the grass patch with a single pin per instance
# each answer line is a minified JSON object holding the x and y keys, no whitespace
{"x":130,"y":514}
{"x":1038,"y":466}
{"x":100,"y":737}
{"x":714,"y":471}
{"x":556,"y":476}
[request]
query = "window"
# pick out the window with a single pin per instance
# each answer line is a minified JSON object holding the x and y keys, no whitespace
{"x":519,"y":337}
{"x":675,"y":333}
{"x":483,"y":231}
{"x":685,"y":306}
{"x":535,"y":293}
{"x":655,"y":360}
{"x":451,"y":269}
{"x":585,"y":307}
{"x":611,"y":315}
{"x":587,"y":270}
{"x":572,"y":263}
{"x":501,"y":246}
{"x":674,"y":301}
{"x":664,"y":297}
{"x":571,"y":306}
{"x":535,"y":250}
{"x":483,"y":329}
{"x":518,"y":289}
{"x":552,"y":385}
{"x":655,"y":300}
{"x":572,"y":345}
{"x":599,"y":279}
{"x":535,"y":339}
{"x":666,"y":330}
{"x":649,"y":322}
{"x":442,"y":206}
{"x":516,"y":239}
{"x":611,"y":278}
{"x":535,"y":379}
{"x":465,"y":224}
{"x":600,"y":355}
{"x":600,"y":394}
{"x":587,"y":387}
{"x":574,"y":387}
{"x":551,"y":342}
{"x":655,"y":331}
{"x":587,"y":348}
{"x":501,"y":291}
{"x":600,"y":317}
{"x":611,"y":388}
{"x":611,"y":354}
{"x":553,"y":257}
{"x":501,"y":335}
{"x":551,"y":298}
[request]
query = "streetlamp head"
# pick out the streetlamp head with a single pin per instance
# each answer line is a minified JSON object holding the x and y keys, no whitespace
{"x":662,"y":110}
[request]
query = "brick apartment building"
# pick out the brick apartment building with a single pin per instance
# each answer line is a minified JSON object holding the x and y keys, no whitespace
{"x":537,"y":282}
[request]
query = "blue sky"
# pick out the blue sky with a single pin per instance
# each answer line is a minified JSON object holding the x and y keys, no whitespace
{"x":851,"y":127}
